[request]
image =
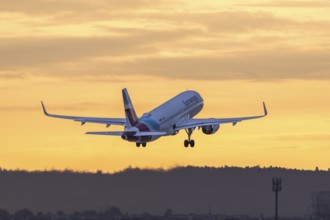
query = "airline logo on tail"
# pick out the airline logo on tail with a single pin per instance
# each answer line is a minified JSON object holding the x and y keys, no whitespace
{"x":131,"y":118}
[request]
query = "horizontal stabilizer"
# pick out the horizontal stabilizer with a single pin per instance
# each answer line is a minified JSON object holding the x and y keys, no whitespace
{"x":112,"y":133}
{"x":119,"y":133}
{"x":150,"y":133}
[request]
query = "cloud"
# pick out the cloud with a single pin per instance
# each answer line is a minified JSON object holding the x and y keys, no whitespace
{"x":83,"y":7}
{"x":17,"y":108}
{"x":82,"y":106}
{"x":302,"y":137}
{"x":36,"y":51}
{"x":218,"y":22}
{"x":56,"y":6}
{"x":11,"y":75}
{"x":180,"y":44}
{"x":288,"y":147}
{"x":261,"y":65}
{"x":5,"y":88}
{"x":291,"y":4}
{"x":228,"y":21}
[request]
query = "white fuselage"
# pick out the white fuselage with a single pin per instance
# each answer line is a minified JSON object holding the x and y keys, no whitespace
{"x":165,"y":117}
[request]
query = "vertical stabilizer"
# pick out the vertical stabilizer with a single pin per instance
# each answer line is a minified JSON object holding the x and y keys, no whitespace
{"x":131,"y":118}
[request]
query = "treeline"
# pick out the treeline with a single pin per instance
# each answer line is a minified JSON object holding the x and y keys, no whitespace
{"x":229,"y":190}
{"x":137,"y":169}
{"x":26,"y":214}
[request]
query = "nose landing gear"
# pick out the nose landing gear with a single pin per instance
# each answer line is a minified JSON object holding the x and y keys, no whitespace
{"x":189,"y":141}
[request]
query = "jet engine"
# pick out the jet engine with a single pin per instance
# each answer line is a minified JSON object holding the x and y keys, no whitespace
{"x":175,"y":133}
{"x":210,"y":129}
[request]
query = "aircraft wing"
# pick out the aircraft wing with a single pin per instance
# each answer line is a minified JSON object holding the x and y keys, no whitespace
{"x":193,"y":123}
{"x":83,"y":120}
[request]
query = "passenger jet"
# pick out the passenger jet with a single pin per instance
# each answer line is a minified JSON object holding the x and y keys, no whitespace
{"x":167,"y":119}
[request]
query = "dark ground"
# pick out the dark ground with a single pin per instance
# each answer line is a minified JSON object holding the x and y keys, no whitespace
{"x":229,"y":190}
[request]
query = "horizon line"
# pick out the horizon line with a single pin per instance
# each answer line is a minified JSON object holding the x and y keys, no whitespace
{"x":159,"y":169}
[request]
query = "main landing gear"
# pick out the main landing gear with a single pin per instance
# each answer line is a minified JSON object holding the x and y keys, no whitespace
{"x":189,"y":141}
{"x":139,"y":144}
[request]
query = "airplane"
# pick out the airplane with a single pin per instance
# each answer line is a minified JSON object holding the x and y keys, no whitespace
{"x":167,"y":119}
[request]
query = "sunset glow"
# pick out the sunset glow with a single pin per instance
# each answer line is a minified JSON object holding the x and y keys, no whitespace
{"x":77,"y":55}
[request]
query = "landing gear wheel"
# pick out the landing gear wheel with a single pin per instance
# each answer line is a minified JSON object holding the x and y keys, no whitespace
{"x":144,"y":144}
{"x":137,"y":144}
{"x":186,"y":143}
{"x":192,"y":143}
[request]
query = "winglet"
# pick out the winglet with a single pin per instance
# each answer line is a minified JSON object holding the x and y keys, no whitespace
{"x":265,"y":109}
{"x":43,"y":107}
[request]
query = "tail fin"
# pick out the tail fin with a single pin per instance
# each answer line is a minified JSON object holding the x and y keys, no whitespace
{"x":131,"y":118}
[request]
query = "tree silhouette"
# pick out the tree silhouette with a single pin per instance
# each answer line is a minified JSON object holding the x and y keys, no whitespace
{"x":168,"y":213}
{"x":23,"y":214}
{"x":4,"y":215}
{"x":112,"y":213}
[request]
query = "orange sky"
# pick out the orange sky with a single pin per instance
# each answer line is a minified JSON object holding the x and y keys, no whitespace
{"x":76,"y":56}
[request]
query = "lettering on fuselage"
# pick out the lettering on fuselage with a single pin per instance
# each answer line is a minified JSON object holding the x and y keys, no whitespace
{"x":190,"y":101}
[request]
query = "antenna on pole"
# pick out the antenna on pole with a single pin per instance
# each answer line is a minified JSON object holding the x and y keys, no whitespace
{"x":277,"y":187}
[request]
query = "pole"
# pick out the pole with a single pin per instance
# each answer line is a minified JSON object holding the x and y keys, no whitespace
{"x":276,"y":205}
{"x":277,"y":186}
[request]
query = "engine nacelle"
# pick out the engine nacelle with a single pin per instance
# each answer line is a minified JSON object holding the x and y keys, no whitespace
{"x":210,"y":129}
{"x":175,"y":133}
